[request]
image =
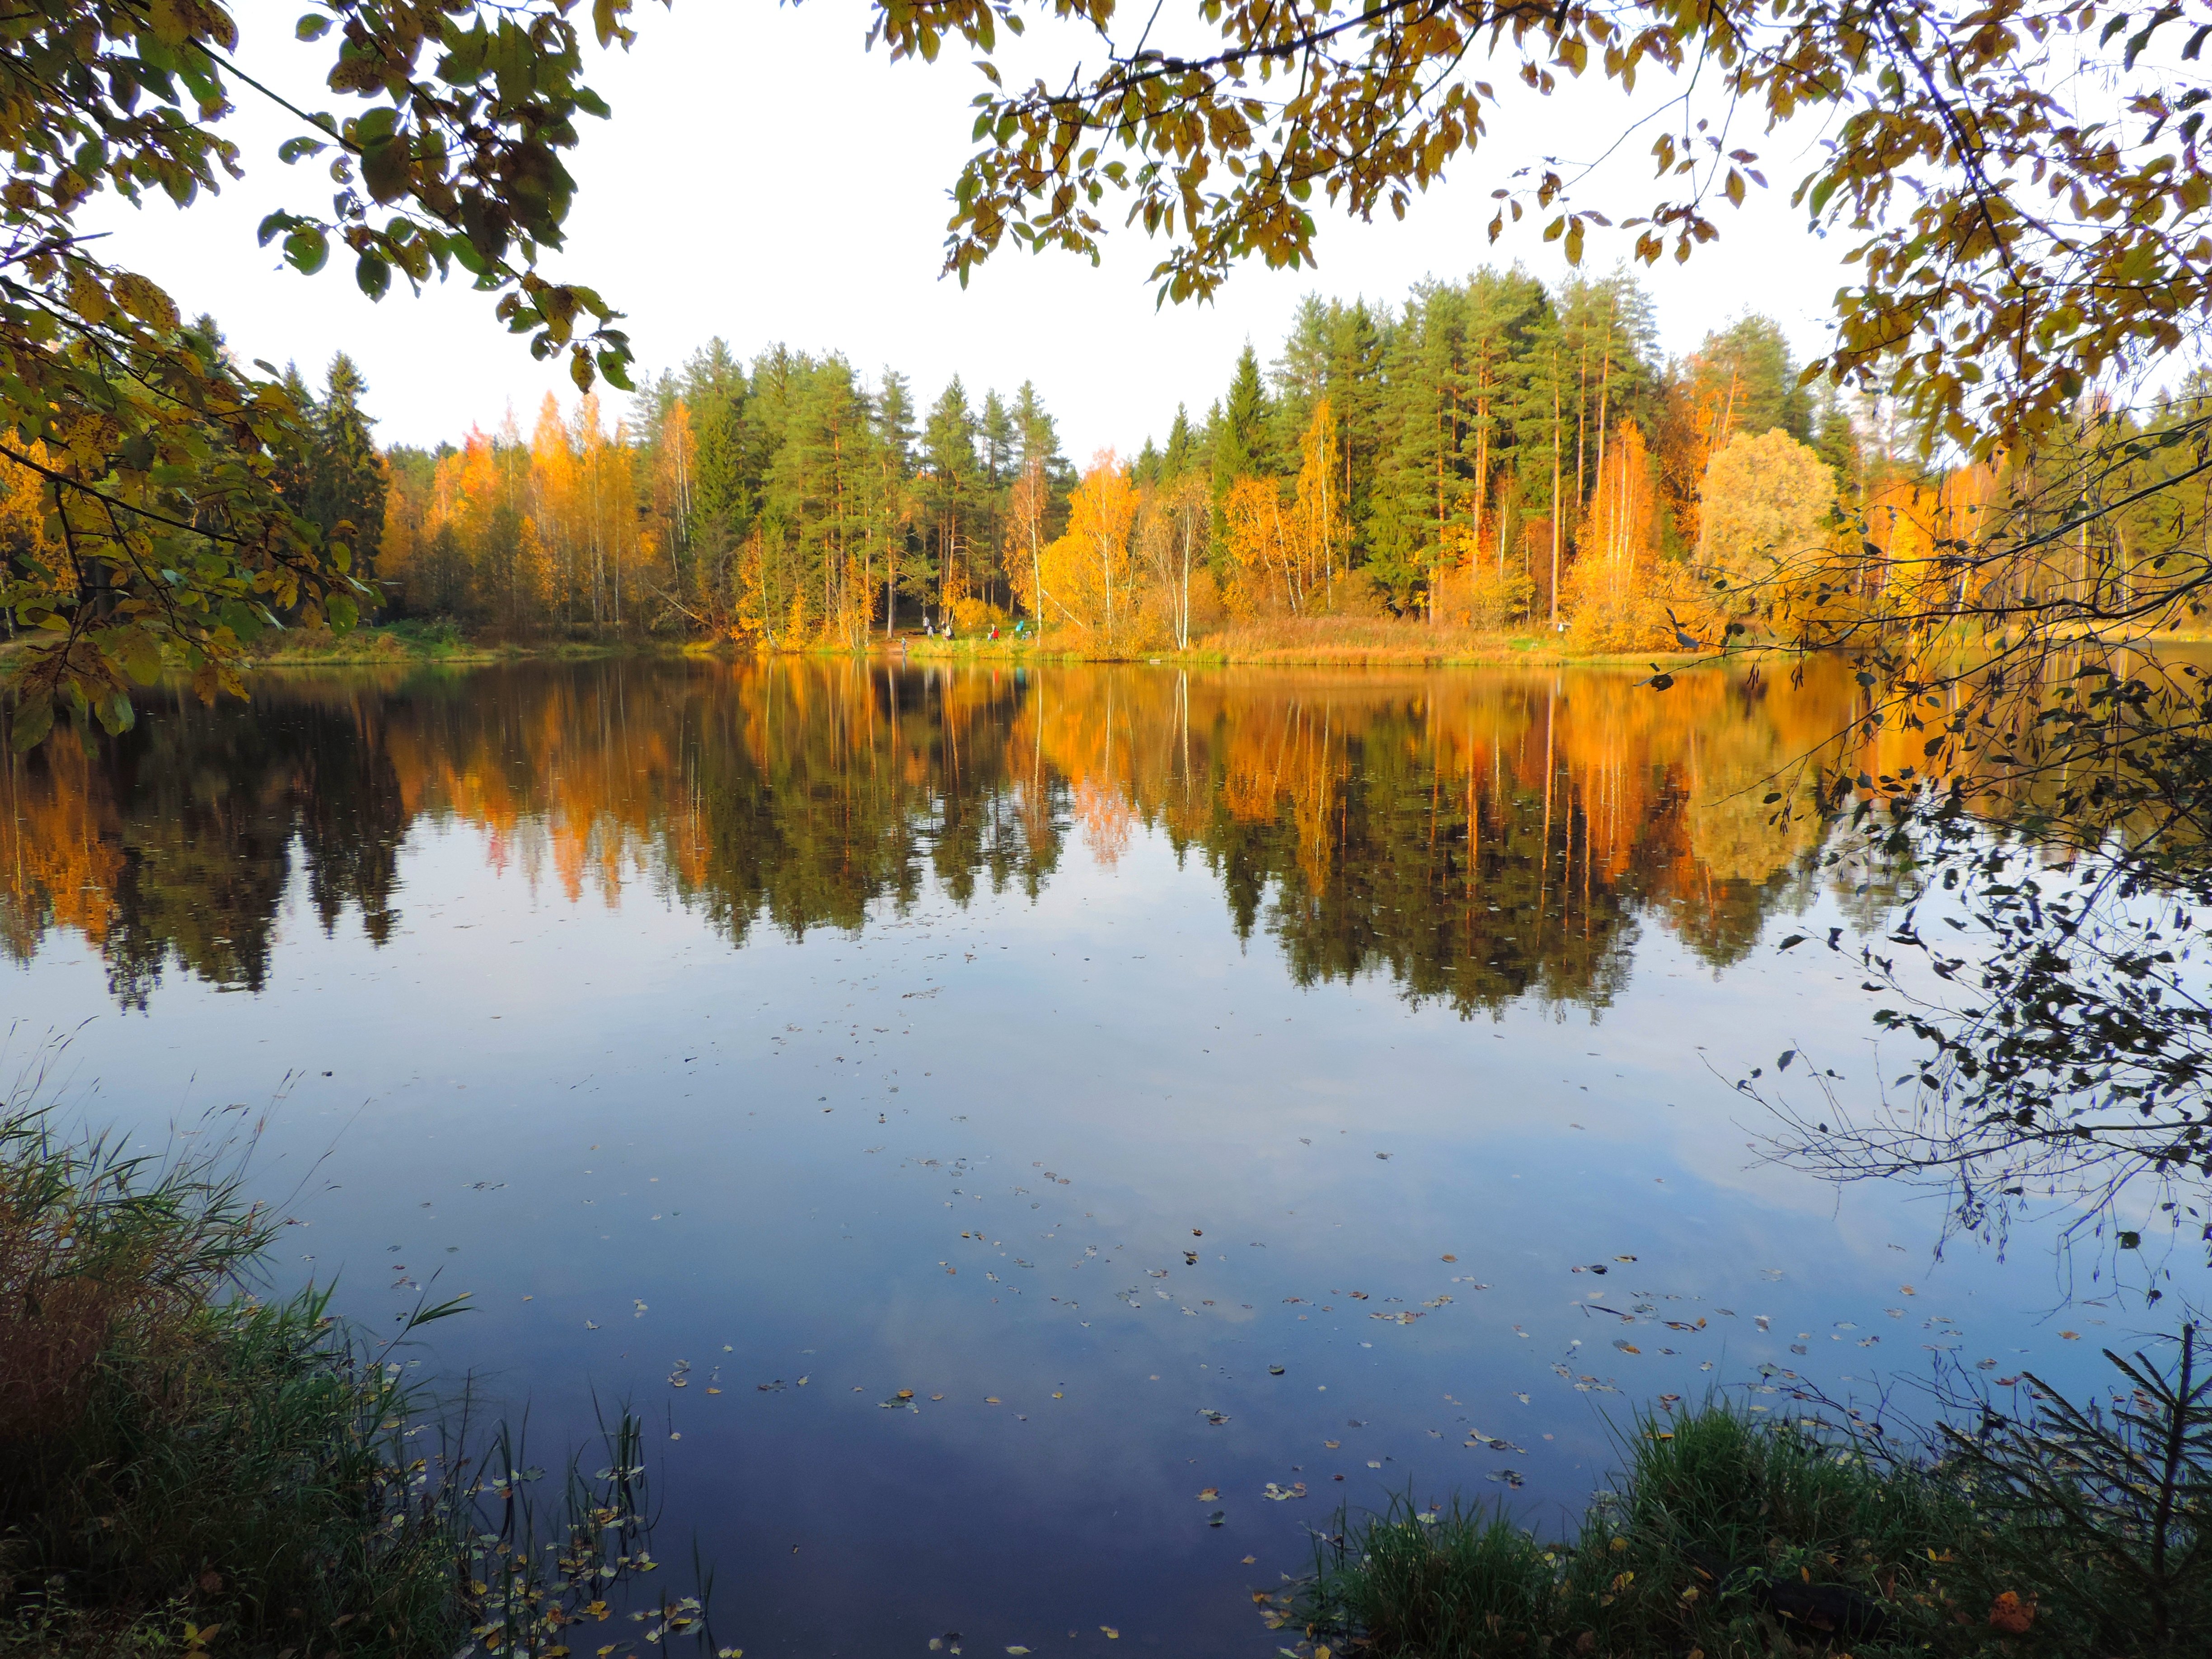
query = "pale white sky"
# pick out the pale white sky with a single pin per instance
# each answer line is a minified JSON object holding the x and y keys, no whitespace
{"x":763,"y":178}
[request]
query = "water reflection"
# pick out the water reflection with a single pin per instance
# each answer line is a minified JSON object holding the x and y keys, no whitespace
{"x":1482,"y":836}
{"x":1017,"y":1095}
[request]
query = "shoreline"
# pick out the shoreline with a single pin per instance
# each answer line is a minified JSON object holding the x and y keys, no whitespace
{"x":371,"y":648}
{"x":1325,"y":643}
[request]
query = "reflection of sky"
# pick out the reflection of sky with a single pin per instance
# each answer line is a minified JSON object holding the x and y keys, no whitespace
{"x":764,"y":1160}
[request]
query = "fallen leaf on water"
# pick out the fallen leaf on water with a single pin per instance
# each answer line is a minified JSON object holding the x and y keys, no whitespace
{"x":1112,"y":1635}
{"x":991,"y":1399}
{"x":1018,"y":1648}
{"x":1625,"y":1345}
{"x":1332,"y":1445}
{"x":1250,"y":1560}
{"x":2070,"y":1336}
{"x":1451,"y":1258}
{"x":1209,"y":1494}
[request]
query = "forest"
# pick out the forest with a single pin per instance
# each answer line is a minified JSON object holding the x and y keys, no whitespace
{"x":1494,"y":454}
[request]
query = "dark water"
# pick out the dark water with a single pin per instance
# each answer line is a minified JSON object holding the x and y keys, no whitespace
{"x":1181,"y":1084}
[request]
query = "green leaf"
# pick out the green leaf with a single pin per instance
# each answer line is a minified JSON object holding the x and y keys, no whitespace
{"x":386,"y":167}
{"x":307,"y":249}
{"x":373,"y":275}
{"x":311,"y":27}
{"x":139,"y":654}
{"x":341,"y":613}
{"x":35,"y":718}
{"x":116,"y":714}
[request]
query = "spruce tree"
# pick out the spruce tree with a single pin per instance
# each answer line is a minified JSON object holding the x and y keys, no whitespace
{"x":1000,"y":440}
{"x":1183,"y":446}
{"x":1039,"y":435}
{"x":347,"y":481}
{"x":293,"y":473}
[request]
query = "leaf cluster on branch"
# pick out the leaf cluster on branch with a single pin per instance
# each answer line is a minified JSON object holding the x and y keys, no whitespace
{"x":2020,"y":179}
{"x":168,"y":538}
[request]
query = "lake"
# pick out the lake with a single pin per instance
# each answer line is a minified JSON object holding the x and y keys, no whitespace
{"x":993,"y":1124}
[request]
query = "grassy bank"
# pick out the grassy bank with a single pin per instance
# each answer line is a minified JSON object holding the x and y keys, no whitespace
{"x":2070,"y":1533}
{"x":1295,"y":641}
{"x":1286,"y":642}
{"x":407,"y":643}
{"x":188,"y":1469}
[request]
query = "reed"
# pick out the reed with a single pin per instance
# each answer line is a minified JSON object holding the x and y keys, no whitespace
{"x":188,"y":1468}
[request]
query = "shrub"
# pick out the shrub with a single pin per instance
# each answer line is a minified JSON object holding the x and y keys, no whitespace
{"x":2068,"y":1531}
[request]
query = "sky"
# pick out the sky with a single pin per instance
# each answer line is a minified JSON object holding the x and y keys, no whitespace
{"x":765,"y":179}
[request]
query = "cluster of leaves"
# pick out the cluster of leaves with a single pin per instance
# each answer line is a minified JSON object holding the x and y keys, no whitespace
{"x":2012,"y":244}
{"x":168,"y":540}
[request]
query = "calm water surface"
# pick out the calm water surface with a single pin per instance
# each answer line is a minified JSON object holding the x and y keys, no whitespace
{"x":1182,"y":1083}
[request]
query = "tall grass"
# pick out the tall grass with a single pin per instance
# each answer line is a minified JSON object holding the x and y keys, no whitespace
{"x":2066,"y":1532}
{"x":187,"y":1467}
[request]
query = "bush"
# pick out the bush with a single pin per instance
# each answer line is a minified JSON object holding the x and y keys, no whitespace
{"x":2064,"y":1532}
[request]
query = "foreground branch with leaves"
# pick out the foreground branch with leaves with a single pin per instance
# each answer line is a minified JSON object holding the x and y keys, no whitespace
{"x":168,"y":541}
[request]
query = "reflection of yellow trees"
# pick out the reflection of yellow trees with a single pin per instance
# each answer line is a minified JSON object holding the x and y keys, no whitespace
{"x":1481,"y":835}
{"x":59,"y":852}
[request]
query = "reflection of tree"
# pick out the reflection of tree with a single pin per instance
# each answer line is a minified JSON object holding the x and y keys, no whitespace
{"x":1481,"y":837}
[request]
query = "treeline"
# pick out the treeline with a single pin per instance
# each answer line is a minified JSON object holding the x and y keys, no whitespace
{"x":1494,"y":454}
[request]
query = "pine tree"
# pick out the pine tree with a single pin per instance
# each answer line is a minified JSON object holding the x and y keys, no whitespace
{"x":948,"y":448}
